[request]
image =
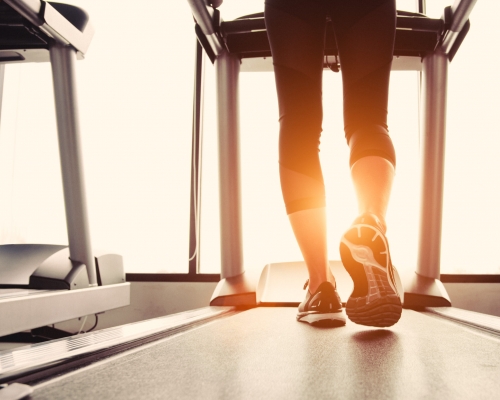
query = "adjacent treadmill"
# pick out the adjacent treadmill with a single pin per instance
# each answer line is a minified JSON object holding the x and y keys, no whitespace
{"x":41,"y":284}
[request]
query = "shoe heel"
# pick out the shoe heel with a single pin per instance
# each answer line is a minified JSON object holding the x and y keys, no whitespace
{"x":365,"y":255}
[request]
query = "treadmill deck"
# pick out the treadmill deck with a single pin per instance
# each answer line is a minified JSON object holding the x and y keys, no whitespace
{"x":265,"y":353}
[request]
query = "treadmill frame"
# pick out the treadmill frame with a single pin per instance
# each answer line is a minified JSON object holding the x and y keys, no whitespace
{"x":423,"y":288}
{"x":54,"y":38}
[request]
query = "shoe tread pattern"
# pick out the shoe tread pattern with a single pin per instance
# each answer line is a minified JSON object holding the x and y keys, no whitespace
{"x":365,"y":255}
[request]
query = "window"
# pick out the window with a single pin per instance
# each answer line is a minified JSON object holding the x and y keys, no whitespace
{"x":472,"y":169}
{"x":135,"y":97}
{"x":471,"y":172}
{"x":267,"y":236}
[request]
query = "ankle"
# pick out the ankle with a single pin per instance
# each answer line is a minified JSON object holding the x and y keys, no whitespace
{"x":379,"y":218}
{"x":313,"y":284}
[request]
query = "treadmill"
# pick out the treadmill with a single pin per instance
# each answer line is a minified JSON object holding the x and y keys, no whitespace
{"x":41,"y":284}
{"x":247,"y":343}
{"x":422,"y":44}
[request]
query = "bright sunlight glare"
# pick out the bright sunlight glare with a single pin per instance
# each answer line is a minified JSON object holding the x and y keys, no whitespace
{"x":135,"y":98}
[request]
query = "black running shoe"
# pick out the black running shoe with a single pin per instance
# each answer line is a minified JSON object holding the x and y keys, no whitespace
{"x":365,"y":254}
{"x":323,"y":308}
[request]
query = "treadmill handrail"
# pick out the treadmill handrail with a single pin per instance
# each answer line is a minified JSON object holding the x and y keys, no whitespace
{"x":460,"y":11}
{"x":204,"y":17}
{"x":29,"y":9}
{"x":256,"y":23}
{"x":452,"y":34}
{"x":53,"y":23}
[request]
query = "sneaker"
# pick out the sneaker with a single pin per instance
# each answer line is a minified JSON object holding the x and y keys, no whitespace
{"x":364,"y":251}
{"x":323,"y":308}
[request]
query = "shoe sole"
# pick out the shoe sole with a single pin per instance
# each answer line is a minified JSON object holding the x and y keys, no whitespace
{"x":322,"y":319}
{"x":365,"y":254}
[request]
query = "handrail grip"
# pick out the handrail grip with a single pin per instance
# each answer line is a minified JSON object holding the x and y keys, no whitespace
{"x":423,"y":24}
{"x":460,"y":11}
{"x":203,"y":15}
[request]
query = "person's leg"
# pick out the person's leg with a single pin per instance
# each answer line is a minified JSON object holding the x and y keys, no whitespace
{"x":297,"y":45}
{"x":309,"y":227}
{"x":296,"y":35}
{"x":365,"y":34}
{"x":372,"y":177}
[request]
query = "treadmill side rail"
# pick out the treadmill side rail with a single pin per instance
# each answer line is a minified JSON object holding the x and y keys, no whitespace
{"x":38,"y":308}
{"x":31,"y":362}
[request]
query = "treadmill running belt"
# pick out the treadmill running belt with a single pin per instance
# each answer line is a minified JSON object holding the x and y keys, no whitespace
{"x":265,"y":353}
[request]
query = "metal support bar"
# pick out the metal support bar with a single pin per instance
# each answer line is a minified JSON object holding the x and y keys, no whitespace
{"x":28,"y":309}
{"x":434,"y":86}
{"x":421,"y":6}
{"x":460,"y":11}
{"x":227,"y":70}
{"x":194,"y":224}
{"x":63,"y":74}
{"x":204,"y":16}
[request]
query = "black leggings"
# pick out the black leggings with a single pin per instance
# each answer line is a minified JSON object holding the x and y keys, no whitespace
{"x":364,"y":31}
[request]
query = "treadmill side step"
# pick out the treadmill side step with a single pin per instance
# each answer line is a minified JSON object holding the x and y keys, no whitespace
{"x":42,"y":307}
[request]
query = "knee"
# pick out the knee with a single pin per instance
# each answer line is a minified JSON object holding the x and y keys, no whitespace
{"x":299,"y":141}
{"x":373,"y":141}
